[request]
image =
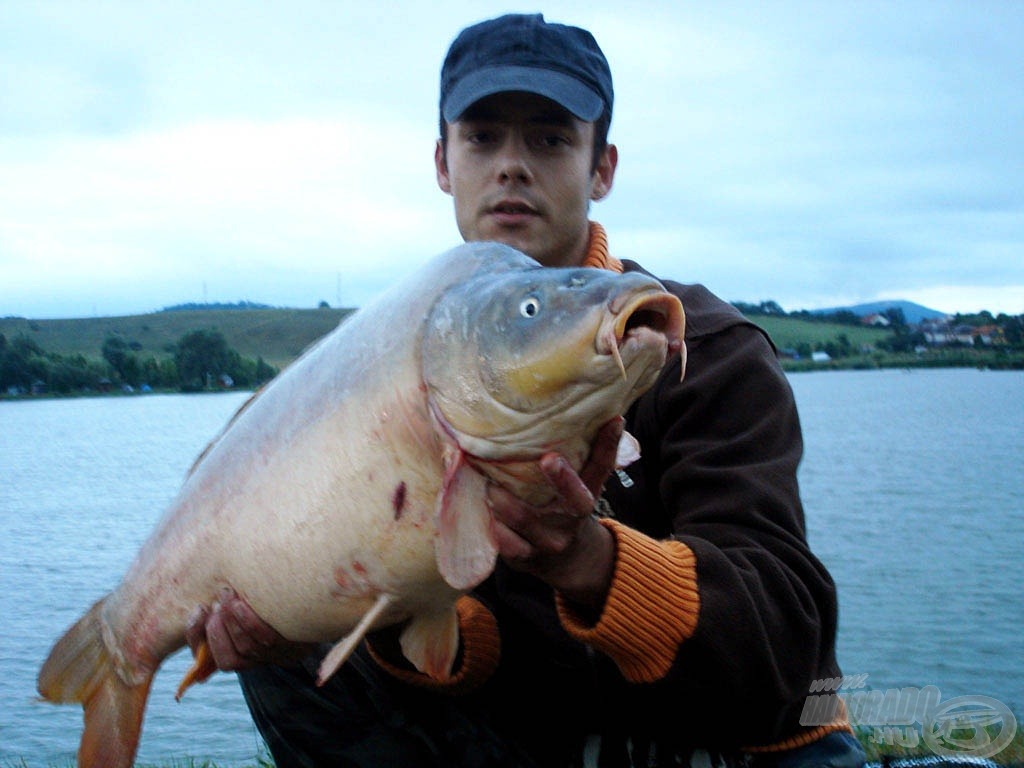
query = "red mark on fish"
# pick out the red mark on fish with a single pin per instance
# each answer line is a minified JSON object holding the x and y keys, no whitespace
{"x":398,"y":499}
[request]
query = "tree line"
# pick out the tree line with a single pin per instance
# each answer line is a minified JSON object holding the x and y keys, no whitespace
{"x":201,"y":360}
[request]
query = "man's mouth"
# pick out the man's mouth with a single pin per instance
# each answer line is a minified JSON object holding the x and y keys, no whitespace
{"x":513,"y":208}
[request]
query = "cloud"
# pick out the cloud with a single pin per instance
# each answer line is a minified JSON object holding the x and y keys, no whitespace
{"x":813,"y":155}
{"x":225,"y":202}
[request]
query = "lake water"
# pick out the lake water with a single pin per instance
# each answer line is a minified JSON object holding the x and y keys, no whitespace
{"x":912,"y":482}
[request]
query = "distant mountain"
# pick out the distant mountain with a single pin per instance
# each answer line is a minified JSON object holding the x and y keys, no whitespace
{"x":913,"y":313}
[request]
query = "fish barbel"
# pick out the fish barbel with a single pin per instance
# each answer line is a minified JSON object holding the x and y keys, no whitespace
{"x":349,"y":493}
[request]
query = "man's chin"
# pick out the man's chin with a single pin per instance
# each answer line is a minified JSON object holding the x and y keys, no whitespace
{"x":521,"y":241}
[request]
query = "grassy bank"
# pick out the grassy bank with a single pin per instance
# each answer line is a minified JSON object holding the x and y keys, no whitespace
{"x":939,"y":357}
{"x":878,"y":751}
{"x":875,"y":742}
{"x":259,"y":762}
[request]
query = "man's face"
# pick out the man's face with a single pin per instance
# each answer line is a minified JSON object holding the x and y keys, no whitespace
{"x":520,"y":169}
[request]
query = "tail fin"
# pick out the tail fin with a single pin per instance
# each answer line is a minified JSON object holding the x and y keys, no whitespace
{"x":80,"y":669}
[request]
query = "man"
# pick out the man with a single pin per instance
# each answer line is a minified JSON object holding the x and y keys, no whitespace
{"x":682,"y":626}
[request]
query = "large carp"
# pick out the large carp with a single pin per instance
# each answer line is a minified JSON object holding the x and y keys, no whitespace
{"x":349,"y":493}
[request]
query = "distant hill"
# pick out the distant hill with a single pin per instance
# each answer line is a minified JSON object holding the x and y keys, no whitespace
{"x":913,"y":313}
{"x":280,"y":335}
{"x":193,"y":305}
{"x":276,"y":335}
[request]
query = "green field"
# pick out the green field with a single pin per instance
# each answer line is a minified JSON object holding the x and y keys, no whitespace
{"x":276,"y":335}
{"x":280,"y":335}
{"x":791,"y":332}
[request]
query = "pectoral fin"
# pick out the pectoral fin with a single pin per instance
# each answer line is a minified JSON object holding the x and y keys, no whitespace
{"x":465,"y":547}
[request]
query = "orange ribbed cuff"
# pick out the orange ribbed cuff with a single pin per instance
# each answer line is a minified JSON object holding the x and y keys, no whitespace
{"x":841,"y":722}
{"x":481,"y":650}
{"x":651,"y":608}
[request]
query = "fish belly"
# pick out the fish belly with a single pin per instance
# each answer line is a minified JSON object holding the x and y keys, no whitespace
{"x":309,"y":530}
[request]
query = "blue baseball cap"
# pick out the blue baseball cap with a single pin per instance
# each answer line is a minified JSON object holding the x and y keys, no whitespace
{"x":522,"y":52}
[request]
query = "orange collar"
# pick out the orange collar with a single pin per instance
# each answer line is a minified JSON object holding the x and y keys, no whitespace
{"x":597,"y":250}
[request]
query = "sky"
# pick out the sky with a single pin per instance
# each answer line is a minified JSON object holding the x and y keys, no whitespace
{"x":815,"y":154}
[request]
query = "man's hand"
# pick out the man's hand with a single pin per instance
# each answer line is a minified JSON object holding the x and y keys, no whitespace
{"x":561,"y":542}
{"x":237,"y":637}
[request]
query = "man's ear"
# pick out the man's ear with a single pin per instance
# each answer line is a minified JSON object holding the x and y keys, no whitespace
{"x":441,"y":168}
{"x":604,"y":174}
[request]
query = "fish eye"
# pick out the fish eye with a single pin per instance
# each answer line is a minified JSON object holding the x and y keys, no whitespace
{"x":529,"y":307}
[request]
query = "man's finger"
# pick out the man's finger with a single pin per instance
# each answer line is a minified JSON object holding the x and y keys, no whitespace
{"x":248,"y":631}
{"x":219,"y":640}
{"x":511,"y":546}
{"x":575,"y":497}
{"x":602,"y":455}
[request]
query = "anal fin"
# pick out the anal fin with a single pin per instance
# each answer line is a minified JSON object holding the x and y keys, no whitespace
{"x":431,"y":642}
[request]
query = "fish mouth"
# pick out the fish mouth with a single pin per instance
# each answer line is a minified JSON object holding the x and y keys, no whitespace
{"x":648,"y":318}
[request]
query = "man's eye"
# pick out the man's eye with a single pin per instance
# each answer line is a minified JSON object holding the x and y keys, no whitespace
{"x":480,"y":137}
{"x":553,"y":141}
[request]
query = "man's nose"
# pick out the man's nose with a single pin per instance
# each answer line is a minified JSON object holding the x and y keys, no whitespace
{"x":513,"y":164}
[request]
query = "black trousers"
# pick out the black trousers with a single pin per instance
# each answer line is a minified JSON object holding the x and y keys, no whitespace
{"x":362,"y":717}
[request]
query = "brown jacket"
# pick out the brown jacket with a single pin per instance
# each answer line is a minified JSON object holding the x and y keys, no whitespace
{"x":718,"y":618}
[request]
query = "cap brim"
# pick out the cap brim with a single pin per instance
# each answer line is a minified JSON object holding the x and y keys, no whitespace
{"x":577,"y":97}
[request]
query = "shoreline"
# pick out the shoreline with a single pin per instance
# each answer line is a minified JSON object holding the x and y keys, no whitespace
{"x":987,"y":360}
